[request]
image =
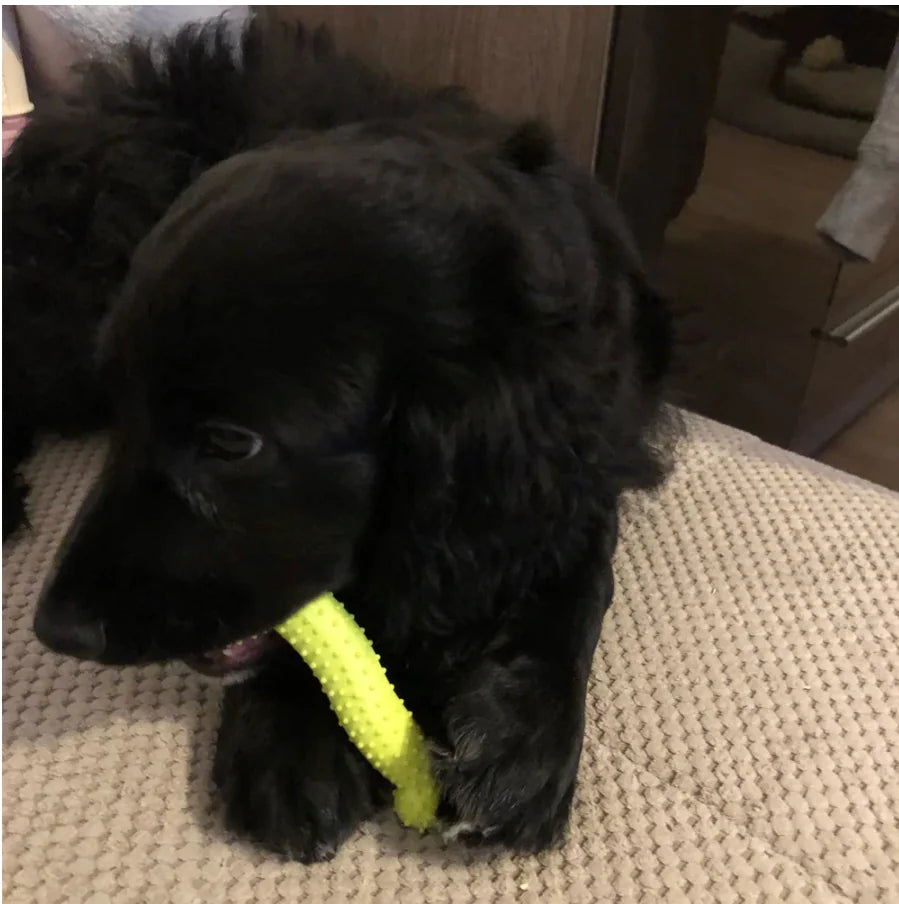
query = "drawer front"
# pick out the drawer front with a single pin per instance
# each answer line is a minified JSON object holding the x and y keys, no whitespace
{"x":860,"y":283}
{"x":855,"y":363}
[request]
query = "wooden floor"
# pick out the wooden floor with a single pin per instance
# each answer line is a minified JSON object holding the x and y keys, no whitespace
{"x":869,"y":448}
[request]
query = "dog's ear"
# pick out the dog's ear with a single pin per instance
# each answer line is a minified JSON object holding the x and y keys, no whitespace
{"x":478,"y":475}
{"x":489,"y":478}
{"x":511,"y":439}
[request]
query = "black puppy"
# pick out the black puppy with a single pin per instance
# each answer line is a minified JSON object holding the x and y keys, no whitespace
{"x":392,"y":347}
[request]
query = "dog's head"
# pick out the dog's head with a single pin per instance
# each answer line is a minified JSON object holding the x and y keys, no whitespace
{"x":369,"y":357}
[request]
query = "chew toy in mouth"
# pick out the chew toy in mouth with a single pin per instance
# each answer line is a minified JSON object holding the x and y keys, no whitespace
{"x":366,"y":704}
{"x":238,"y":656}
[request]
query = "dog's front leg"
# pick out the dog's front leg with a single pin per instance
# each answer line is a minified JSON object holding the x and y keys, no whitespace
{"x":290,"y":778}
{"x":514,"y":723}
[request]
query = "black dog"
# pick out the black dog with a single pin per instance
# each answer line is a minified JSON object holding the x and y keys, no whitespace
{"x":389,"y":346}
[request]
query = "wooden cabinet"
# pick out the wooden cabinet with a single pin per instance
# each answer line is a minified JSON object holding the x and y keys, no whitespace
{"x":760,"y":295}
{"x":546,"y":61}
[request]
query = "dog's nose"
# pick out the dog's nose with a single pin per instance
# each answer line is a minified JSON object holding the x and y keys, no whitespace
{"x":64,"y":630}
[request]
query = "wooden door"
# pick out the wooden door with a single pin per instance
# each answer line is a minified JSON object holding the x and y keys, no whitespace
{"x":545,"y":61}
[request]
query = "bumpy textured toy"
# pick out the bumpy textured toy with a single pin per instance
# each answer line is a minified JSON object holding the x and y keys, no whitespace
{"x":366,"y":705}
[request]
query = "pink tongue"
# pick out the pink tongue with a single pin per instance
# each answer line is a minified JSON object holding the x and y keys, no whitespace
{"x":242,"y":650}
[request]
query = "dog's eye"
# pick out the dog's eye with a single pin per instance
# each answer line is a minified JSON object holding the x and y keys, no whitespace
{"x":226,"y":442}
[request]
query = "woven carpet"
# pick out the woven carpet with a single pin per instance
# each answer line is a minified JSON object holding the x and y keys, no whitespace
{"x":742,"y":736}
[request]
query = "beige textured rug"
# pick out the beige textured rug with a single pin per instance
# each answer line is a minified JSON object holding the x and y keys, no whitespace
{"x":742,"y":734}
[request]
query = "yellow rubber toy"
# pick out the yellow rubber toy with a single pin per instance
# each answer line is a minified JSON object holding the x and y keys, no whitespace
{"x":366,"y":704}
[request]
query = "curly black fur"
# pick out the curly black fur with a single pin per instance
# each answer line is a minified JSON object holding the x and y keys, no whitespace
{"x":384,"y":344}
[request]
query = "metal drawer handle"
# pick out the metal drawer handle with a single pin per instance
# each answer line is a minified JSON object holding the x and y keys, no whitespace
{"x":864,"y":321}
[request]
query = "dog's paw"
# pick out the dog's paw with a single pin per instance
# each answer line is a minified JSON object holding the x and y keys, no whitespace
{"x":489,"y":803}
{"x":272,"y":803}
{"x":507,"y":775}
{"x":289,"y":778}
